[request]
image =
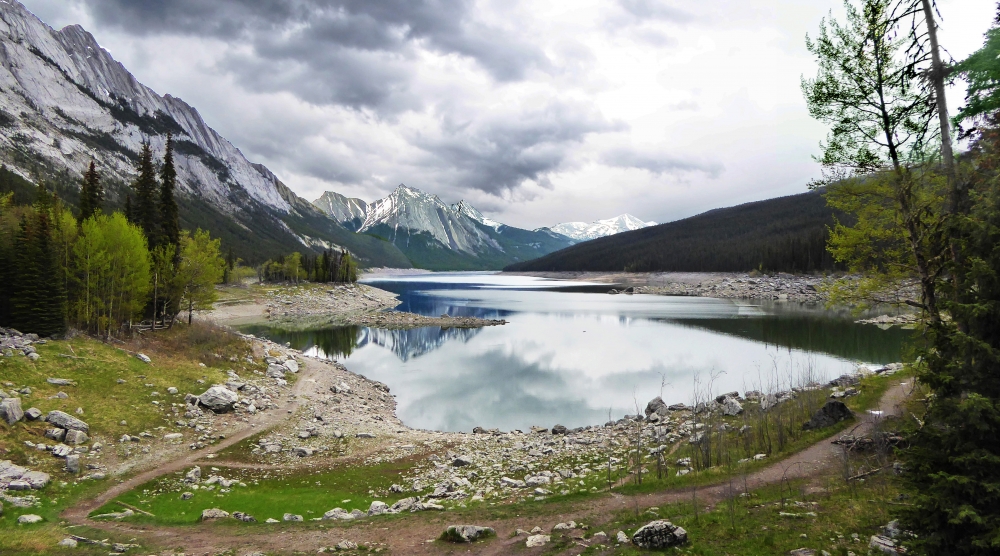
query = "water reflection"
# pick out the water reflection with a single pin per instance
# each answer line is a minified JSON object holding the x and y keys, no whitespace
{"x":571,"y":357}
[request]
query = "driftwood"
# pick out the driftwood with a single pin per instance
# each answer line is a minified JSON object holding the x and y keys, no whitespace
{"x":134,"y":509}
{"x":868,"y":473}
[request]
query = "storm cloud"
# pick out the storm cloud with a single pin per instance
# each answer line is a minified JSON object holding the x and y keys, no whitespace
{"x":538,"y":112}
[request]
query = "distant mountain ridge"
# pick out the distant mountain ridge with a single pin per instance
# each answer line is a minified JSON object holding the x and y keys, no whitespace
{"x":783,"y":234}
{"x":64,"y":101}
{"x":582,"y":231}
{"x":439,"y":236}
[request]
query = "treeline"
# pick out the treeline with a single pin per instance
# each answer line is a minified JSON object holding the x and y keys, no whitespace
{"x":787,"y":234}
{"x":330,"y":266}
{"x":103,"y":272}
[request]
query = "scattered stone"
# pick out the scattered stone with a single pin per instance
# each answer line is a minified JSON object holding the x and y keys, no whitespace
{"x":75,"y":437}
{"x":213,"y":513}
{"x":882,"y":545}
{"x":302,"y":451}
{"x":537,"y":540}
{"x":10,"y":410}
{"x":172,"y":391}
{"x":61,"y":450}
{"x":275,"y":371}
{"x":731,"y":407}
{"x":292,"y":517}
{"x":246,"y":518}
{"x":29,"y":519}
{"x":378,"y":508}
{"x":466,"y":533}
{"x":173,"y":436}
{"x":193,"y":475}
{"x":292,"y":366}
{"x":461,"y":461}
{"x":60,"y":381}
{"x":187,"y":495}
{"x":340,"y":513}
{"x":144,"y":358}
{"x":219,"y":399}
{"x":832,"y":412}
{"x":67,"y":543}
{"x":559,"y":429}
{"x":66,"y":421}
{"x":346,"y":545}
{"x":659,"y":534}
{"x":802,"y":552}
{"x":73,"y":464}
{"x":33,"y":414}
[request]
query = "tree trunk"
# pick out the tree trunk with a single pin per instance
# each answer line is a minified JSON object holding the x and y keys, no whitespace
{"x":937,"y":75}
{"x":190,"y":310}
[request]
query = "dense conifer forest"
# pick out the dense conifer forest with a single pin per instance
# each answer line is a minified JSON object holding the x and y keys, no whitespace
{"x":787,"y":234}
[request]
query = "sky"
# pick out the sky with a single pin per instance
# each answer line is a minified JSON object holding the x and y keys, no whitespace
{"x":534,"y":112}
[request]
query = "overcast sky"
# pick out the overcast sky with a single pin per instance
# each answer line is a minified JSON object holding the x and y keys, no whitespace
{"x":535,"y":112}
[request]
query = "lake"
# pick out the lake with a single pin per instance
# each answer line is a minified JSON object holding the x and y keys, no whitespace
{"x":572,"y":354}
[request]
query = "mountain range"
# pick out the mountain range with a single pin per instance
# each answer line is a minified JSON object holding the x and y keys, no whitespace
{"x":65,"y":101}
{"x":582,"y":231}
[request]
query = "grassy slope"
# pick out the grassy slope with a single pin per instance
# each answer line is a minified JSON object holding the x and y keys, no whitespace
{"x":177,"y":358}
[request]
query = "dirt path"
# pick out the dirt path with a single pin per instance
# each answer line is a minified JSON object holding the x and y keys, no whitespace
{"x":409,"y":534}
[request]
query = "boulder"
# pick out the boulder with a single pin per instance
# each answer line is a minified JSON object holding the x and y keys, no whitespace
{"x":60,"y":381}
{"x":33,"y":414}
{"x":461,"y":461}
{"x":66,"y":421}
{"x":143,"y":357}
{"x":292,"y":517}
{"x":832,"y":412}
{"x":36,"y":479}
{"x":246,"y":518}
{"x":292,"y":366}
{"x":10,"y":410}
{"x":731,"y":407}
{"x":73,"y":464}
{"x":559,"y":429}
{"x":213,"y":513}
{"x":61,"y":450}
{"x":658,"y":535}
{"x":882,"y":545}
{"x":68,"y":543}
{"x":654,"y":405}
{"x":219,"y":399}
{"x":404,"y":505}
{"x":29,"y":518}
{"x":75,"y":437}
{"x":55,"y":434}
{"x":193,"y":475}
{"x":677,"y":407}
{"x":275,"y":371}
{"x":537,"y":540}
{"x":722,"y":398}
{"x":378,"y":508}
{"x":466,"y":533}
{"x":346,"y":545}
{"x":340,"y":513}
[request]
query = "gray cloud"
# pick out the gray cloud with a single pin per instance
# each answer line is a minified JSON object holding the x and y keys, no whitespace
{"x":499,"y":154}
{"x":655,"y":9}
{"x":656,"y":163}
{"x":352,"y":52}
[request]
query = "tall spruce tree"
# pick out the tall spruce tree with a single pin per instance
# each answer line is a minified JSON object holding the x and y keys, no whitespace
{"x":170,"y":227}
{"x":39,"y":294}
{"x":91,"y":193}
{"x":146,"y":214}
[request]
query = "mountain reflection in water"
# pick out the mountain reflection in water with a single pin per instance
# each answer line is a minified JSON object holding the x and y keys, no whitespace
{"x":570,"y":356}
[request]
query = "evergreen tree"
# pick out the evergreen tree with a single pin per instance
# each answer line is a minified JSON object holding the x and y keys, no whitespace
{"x":129,"y":213}
{"x":91,"y":193}
{"x":145,"y":212}
{"x":170,"y":227}
{"x":39,"y":294}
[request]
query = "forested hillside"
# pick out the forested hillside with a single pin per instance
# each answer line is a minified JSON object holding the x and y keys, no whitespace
{"x":785,"y":234}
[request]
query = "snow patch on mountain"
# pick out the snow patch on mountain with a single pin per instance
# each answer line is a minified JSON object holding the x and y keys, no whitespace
{"x":582,"y":231}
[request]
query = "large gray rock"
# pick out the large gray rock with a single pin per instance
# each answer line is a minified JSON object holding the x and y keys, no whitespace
{"x":75,"y":438}
{"x":378,"y":507}
{"x":338,"y":513}
{"x":66,"y":421}
{"x":467,"y":533}
{"x":659,"y":534}
{"x":832,"y":412}
{"x":33,"y":414}
{"x":10,"y":410}
{"x":219,"y":399}
{"x":73,"y":464}
{"x":36,"y":479}
{"x":29,"y":519}
{"x":276,"y":371}
{"x":213,"y":513}
{"x":731,"y":407}
{"x":654,"y":405}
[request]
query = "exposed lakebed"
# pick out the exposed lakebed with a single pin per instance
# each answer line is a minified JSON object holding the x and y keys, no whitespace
{"x":571,"y":352}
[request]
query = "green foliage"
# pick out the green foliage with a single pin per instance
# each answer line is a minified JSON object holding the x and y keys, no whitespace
{"x":166,"y":289}
{"x":954,"y":459}
{"x":199,"y":270}
{"x":38,"y":294}
{"x":331,"y":266}
{"x":982,"y":71}
{"x":170,"y":226}
{"x":145,"y":212}
{"x":91,"y":193}
{"x":111,"y":272}
{"x":878,"y":109}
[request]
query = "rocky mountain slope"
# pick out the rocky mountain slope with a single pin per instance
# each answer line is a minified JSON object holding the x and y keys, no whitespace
{"x":65,"y":101}
{"x":438,"y":236}
{"x":582,"y":231}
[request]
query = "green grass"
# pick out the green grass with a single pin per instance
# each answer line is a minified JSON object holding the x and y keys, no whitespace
{"x":267,"y":494}
{"x":96,"y":367}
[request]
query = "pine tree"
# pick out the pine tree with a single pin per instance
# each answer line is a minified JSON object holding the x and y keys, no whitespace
{"x":170,"y":227}
{"x":91,"y":193}
{"x":39,"y":295}
{"x":129,"y":213}
{"x":145,"y":212}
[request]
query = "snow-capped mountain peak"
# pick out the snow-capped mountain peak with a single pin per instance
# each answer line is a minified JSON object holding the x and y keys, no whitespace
{"x":582,"y":231}
{"x":472,"y":212}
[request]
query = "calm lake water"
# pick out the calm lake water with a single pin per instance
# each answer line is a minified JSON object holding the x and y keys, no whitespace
{"x":571,"y":353}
